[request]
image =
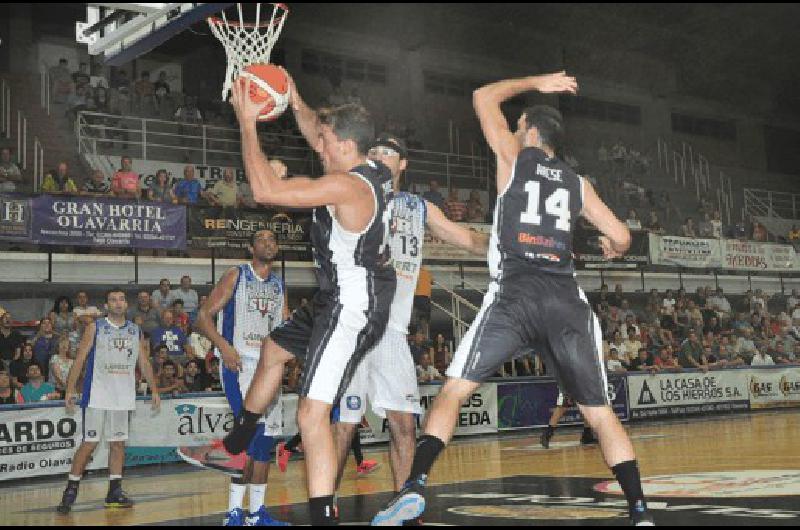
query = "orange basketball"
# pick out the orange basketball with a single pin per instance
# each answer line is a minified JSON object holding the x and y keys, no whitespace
{"x":269,"y":85}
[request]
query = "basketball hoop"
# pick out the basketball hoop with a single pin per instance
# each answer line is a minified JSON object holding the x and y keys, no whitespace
{"x":247,"y":43}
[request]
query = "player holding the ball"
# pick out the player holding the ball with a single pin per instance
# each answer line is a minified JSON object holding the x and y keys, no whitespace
{"x":357,"y":282}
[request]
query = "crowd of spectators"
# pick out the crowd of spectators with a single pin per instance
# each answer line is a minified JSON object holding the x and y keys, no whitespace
{"x":36,"y":367}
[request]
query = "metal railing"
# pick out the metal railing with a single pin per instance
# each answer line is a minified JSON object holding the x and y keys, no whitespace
{"x":44,"y":90}
{"x":693,"y":170}
{"x":458,"y":304}
{"x":107,"y":134}
{"x":22,"y":139}
{"x":5,"y":109}
{"x":765,"y":203}
{"x":38,"y":164}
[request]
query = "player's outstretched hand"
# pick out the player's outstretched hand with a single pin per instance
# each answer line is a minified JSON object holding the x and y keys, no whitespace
{"x":246,"y":110}
{"x":608,"y":248}
{"x":557,"y":82}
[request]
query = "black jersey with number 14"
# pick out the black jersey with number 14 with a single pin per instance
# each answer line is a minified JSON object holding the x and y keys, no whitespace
{"x":535,"y":217}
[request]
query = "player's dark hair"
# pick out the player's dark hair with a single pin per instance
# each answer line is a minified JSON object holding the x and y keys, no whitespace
{"x":550,"y":124}
{"x":350,"y":122}
{"x":112,"y":291}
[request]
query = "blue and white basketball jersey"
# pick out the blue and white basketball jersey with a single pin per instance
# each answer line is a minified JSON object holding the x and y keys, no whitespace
{"x":254,"y":310}
{"x":110,"y":381}
{"x":406,"y":236}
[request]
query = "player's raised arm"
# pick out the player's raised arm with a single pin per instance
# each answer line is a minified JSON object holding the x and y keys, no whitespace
{"x":217,"y":299}
{"x":487,"y":100}
{"x":616,"y":238}
{"x":306,"y":117}
{"x":84,"y":347}
{"x":460,"y":236}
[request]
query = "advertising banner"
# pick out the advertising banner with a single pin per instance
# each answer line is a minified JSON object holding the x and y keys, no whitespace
{"x":478,"y":414}
{"x":678,"y":394}
{"x":752,"y":256}
{"x":93,"y":221}
{"x":685,"y":251}
{"x":774,"y":387}
{"x":530,"y":403}
{"x":589,"y":255}
{"x":15,"y":218}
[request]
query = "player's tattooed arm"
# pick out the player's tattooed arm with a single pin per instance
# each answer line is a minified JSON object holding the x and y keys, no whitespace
{"x":457,"y":235}
{"x":616,"y":238}
{"x":217,"y":299}
{"x":486,"y":101}
{"x":84,"y":346}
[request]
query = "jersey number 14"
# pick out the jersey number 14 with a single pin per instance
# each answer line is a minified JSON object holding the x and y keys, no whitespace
{"x":557,"y":204}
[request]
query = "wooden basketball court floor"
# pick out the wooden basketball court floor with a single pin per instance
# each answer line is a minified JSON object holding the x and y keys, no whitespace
{"x":725,"y":470}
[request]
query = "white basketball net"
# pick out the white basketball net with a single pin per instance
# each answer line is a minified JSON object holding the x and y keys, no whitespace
{"x":247,"y":43}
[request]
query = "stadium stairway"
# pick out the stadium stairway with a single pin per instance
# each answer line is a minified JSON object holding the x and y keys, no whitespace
{"x":54,"y":131}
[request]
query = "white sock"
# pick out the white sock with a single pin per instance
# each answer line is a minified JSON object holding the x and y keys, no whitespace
{"x":74,"y":478}
{"x":236,"y":498}
{"x":257,"y":494}
{"x":115,"y":477}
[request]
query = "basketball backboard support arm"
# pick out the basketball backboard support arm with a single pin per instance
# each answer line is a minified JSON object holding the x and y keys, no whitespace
{"x":148,"y":25}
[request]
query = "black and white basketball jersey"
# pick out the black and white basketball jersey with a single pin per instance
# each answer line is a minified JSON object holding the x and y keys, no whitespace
{"x":342,"y":257}
{"x":535,"y":217}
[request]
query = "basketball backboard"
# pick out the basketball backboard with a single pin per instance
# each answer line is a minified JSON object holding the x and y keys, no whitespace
{"x":122,"y":32}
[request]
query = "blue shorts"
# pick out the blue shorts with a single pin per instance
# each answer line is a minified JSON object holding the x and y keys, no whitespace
{"x":260,"y":449}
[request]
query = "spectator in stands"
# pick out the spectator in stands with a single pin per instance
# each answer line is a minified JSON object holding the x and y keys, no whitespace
{"x":613,"y":362}
{"x":419,"y":346}
{"x":440,"y":353}
{"x":169,"y":383}
{"x":716,"y":225}
{"x":793,"y":237}
{"x":60,"y":81}
{"x":61,"y":364}
{"x":83,"y":310}
{"x":602,"y":157}
{"x":160,"y":297}
{"x":214,"y":375}
{"x":8,"y":394}
{"x":19,"y":366}
{"x":160,"y":190}
{"x":36,"y":389}
{"x":162,"y":91}
{"x":665,"y":359}
{"x":194,"y":380}
{"x":181,"y":318}
{"x":191,"y":302}
{"x":632,"y":344}
{"x":720,"y":304}
{"x":188,"y":112}
{"x":454,"y":208}
{"x":62,"y":316}
{"x":687,"y":229}
{"x":780,"y":355}
{"x":151,"y":316}
{"x":616,"y":299}
{"x":705,"y":228}
{"x":10,"y":175}
{"x":125,"y":184}
{"x":727,"y":353}
{"x":434,"y":195}
{"x":11,"y":341}
{"x":169,"y":334}
{"x":761,"y":358}
{"x":690,"y":352}
{"x":44,"y":344}
{"x":476,"y":213}
{"x":187,"y":191}
{"x":633,"y":221}
{"x":793,"y":301}
{"x":96,"y":186}
{"x":708,"y":359}
{"x":759,"y":232}
{"x":144,"y":91}
{"x":81,"y":77}
{"x":121,"y":85}
{"x":59,"y":181}
{"x":225,"y":192}
{"x":745,"y":345}
{"x":643,"y":362}
{"x":201,"y":345}
{"x":426,"y":372}
{"x":654,"y":225}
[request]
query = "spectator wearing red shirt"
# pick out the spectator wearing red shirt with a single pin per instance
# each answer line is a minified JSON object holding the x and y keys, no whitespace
{"x":759,"y":232}
{"x":125,"y":183}
{"x":454,"y":209}
{"x":666,"y":360}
